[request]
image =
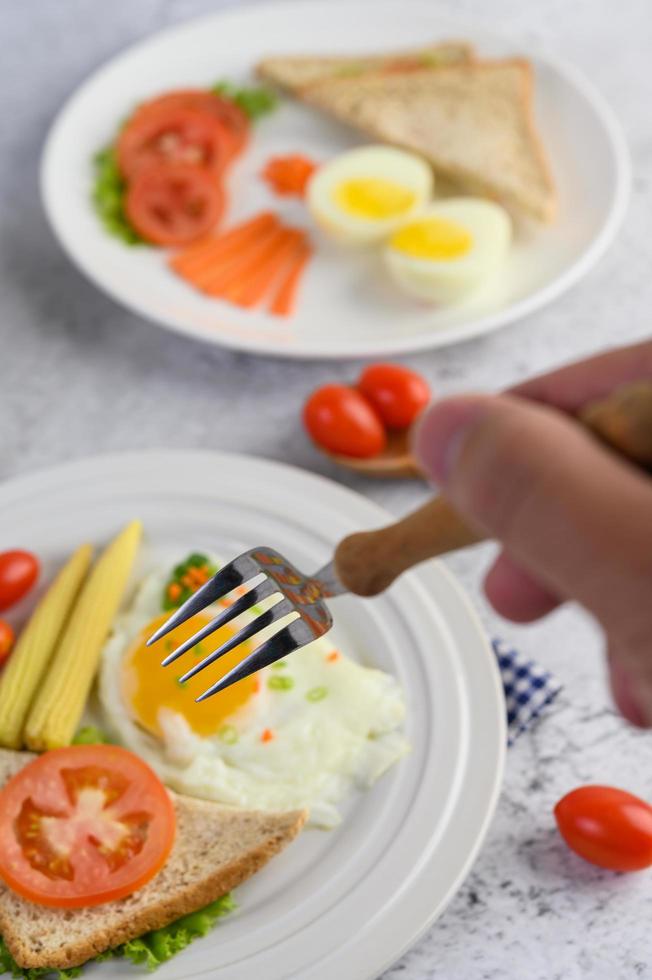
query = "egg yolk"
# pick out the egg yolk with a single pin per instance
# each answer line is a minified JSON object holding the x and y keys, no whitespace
{"x":374,"y":198}
{"x":148,"y":687}
{"x":433,"y":238}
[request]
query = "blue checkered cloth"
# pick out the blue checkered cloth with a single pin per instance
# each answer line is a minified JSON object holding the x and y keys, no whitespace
{"x":529,"y":688}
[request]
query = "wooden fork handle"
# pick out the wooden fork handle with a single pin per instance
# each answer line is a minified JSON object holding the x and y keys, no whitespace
{"x":367,"y":563}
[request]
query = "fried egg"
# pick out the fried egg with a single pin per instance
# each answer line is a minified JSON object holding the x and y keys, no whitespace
{"x":362,"y":195}
{"x":448,"y":250}
{"x":301,"y":733}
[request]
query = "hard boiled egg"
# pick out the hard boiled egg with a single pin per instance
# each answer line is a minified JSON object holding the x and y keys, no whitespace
{"x":363,"y":195}
{"x":448,"y":250}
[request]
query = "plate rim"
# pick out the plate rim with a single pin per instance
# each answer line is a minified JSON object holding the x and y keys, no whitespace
{"x":540,"y":298}
{"x":13,"y":489}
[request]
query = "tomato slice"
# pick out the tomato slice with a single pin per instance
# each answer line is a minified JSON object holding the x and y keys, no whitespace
{"x":235,"y":121}
{"x":7,"y":639}
{"x":172,"y":204}
{"x":173,"y":134}
{"x":83,"y":825}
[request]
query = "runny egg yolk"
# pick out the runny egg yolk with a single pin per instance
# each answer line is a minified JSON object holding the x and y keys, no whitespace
{"x":436,"y":239}
{"x":148,"y":687}
{"x":373,"y":198}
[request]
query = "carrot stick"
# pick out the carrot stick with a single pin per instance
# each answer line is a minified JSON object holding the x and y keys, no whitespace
{"x":220,"y":271}
{"x":234,"y":275}
{"x":283,"y":300}
{"x":249,"y":292}
{"x":200,"y":253}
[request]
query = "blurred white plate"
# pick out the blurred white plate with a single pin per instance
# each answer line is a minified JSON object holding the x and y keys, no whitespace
{"x":345,"y":308}
{"x":344,"y":903}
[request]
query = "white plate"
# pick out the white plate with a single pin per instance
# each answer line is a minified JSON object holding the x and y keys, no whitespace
{"x":343,"y":903}
{"x":345,"y":308}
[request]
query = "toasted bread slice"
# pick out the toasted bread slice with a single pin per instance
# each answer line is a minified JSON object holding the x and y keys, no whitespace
{"x":473,"y":122}
{"x":296,"y":72}
{"x":216,"y":849}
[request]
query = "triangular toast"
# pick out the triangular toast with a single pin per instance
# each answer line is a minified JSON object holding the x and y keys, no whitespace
{"x":473,"y":122}
{"x":216,"y":849}
{"x":295,"y":72}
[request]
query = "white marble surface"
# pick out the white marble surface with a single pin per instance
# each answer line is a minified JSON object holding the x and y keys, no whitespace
{"x":78,"y":375}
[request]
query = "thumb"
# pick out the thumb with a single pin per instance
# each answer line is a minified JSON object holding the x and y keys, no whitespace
{"x":569,"y":511}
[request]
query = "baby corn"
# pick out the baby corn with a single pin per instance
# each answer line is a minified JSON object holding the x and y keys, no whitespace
{"x":58,"y":706}
{"x":27,"y":665}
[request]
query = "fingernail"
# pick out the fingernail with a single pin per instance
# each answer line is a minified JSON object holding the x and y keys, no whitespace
{"x":441,"y":433}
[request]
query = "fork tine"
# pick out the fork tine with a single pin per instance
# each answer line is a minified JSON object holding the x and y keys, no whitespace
{"x":255,"y":595}
{"x":224,"y":581}
{"x":287,"y":640}
{"x":278,"y":611}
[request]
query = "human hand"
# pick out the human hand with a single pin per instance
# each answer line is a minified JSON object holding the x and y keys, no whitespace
{"x":574,"y":520}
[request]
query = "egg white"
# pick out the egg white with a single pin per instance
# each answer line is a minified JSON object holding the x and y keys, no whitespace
{"x":321,"y":749}
{"x":388,"y":163}
{"x":450,"y":280}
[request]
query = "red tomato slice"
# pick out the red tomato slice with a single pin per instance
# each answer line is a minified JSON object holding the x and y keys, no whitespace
{"x":83,"y":825}
{"x":172,"y":204}
{"x":19,"y":571}
{"x":340,"y":420}
{"x":173,"y":134}
{"x":398,"y":394}
{"x":235,"y":121}
{"x":607,"y":826}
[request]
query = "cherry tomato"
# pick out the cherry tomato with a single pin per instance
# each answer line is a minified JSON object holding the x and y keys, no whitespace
{"x":340,"y":420}
{"x":19,"y":571}
{"x":234,"y":120}
{"x":83,"y":825}
{"x":6,"y":640}
{"x":397,"y":394}
{"x":171,"y":204}
{"x":607,"y":826}
{"x":174,"y":134}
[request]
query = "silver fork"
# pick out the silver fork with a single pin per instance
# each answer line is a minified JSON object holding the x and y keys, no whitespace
{"x":296,"y":594}
{"x":368,"y":563}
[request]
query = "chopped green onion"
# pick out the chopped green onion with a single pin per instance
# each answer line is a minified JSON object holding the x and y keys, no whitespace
{"x":317,"y":694}
{"x":228,"y":734}
{"x":279,"y":665}
{"x":280,"y":683}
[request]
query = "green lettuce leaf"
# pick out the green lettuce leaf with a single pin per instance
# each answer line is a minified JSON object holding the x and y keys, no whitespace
{"x":148,"y":951}
{"x":9,"y":965}
{"x":109,"y":191}
{"x":91,"y":735}
{"x":255,"y":102}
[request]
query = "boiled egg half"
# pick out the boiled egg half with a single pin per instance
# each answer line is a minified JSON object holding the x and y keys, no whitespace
{"x":361,"y":196}
{"x":444,"y":253}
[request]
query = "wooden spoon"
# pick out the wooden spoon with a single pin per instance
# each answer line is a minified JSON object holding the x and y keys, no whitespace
{"x":623,"y":420}
{"x":396,"y":461}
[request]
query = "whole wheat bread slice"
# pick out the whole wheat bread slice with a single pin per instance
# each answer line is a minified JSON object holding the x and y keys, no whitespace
{"x":216,"y":849}
{"x":473,"y":122}
{"x":296,"y":72}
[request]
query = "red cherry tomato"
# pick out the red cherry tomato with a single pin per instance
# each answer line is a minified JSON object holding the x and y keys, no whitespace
{"x":171,"y":204}
{"x":6,"y":640}
{"x":340,"y":420}
{"x":19,"y":571}
{"x":173,"y":134}
{"x":607,"y":826}
{"x":234,"y":120}
{"x":397,"y":394}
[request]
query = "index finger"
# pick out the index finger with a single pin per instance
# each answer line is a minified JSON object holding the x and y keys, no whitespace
{"x":570,"y":388}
